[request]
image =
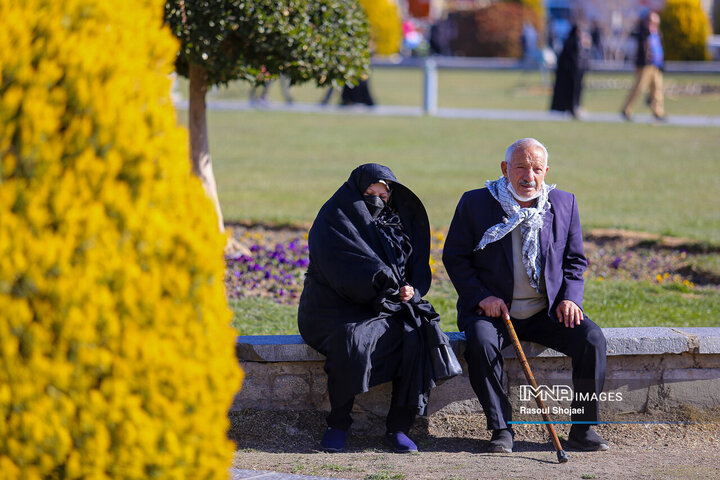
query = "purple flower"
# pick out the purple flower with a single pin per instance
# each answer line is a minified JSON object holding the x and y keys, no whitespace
{"x":616,"y":263}
{"x":275,"y":270}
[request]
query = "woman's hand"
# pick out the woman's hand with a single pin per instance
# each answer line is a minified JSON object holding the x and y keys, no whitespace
{"x":406,"y":293}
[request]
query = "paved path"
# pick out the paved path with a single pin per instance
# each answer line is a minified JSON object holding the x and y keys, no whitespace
{"x":238,"y":474}
{"x":489,"y":114}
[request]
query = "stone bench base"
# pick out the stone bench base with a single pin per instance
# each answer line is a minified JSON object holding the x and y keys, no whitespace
{"x":651,"y":369}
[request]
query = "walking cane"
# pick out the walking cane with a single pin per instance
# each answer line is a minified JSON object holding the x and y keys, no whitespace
{"x":561,"y":455}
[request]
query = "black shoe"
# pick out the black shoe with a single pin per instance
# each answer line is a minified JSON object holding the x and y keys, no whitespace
{"x":583,"y":437}
{"x":660,"y":118}
{"x":626,"y":116}
{"x":501,"y":441}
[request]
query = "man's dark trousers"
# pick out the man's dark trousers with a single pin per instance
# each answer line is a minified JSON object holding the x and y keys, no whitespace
{"x":584,"y":344}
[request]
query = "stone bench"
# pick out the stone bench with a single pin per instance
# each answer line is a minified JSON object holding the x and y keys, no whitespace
{"x":653,"y":369}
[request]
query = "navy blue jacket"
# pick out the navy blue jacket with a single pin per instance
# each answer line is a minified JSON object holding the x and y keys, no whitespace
{"x":489,"y":272}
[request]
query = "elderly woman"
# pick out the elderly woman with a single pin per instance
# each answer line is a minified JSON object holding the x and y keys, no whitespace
{"x":361,"y":305}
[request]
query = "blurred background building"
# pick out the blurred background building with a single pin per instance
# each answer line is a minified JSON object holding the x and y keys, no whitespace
{"x":497,"y":28}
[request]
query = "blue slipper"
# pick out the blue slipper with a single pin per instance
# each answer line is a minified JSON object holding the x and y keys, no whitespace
{"x":400,"y":443}
{"x":333,"y":440}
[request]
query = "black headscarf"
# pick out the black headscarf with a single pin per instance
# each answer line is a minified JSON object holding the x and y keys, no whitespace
{"x":344,"y":238}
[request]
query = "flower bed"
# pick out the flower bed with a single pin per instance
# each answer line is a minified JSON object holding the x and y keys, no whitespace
{"x":280,"y":257}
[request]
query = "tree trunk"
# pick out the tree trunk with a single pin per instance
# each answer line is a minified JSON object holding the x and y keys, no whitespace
{"x":199,"y":150}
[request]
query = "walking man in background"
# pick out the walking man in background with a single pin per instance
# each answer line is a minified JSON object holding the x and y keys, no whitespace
{"x":649,"y":64}
{"x":515,"y":249}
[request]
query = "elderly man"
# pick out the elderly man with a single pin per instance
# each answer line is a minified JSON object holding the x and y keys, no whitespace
{"x":515,"y":249}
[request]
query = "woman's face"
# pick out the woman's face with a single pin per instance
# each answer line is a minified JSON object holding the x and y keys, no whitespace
{"x":380,"y":190}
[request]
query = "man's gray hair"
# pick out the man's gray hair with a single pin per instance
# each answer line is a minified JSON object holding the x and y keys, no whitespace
{"x":525,"y":143}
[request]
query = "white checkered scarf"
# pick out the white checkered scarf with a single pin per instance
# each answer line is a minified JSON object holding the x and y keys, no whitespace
{"x":530,"y":220}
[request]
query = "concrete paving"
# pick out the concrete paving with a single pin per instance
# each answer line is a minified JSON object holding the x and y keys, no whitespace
{"x":238,"y":474}
{"x":471,"y":113}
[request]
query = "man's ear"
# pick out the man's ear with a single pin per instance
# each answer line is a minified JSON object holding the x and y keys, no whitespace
{"x":503,"y":167}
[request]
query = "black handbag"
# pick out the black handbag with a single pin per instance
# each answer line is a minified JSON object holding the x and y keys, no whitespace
{"x":442,"y":357}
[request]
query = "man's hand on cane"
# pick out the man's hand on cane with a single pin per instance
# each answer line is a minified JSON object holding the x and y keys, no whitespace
{"x":493,"y":307}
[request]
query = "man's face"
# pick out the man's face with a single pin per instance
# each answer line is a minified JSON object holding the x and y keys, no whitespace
{"x":653,"y":22}
{"x":526,"y":171}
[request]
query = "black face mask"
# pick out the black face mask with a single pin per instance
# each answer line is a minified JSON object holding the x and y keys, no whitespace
{"x":374,"y":205}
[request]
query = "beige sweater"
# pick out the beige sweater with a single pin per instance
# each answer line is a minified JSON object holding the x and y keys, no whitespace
{"x":526,"y":300}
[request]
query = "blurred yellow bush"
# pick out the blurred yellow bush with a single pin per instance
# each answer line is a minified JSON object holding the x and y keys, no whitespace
{"x":385,"y":25}
{"x":116,"y":351}
{"x":685,"y":28}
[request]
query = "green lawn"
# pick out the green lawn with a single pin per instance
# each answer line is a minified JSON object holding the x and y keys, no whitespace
{"x":608,"y":303}
{"x":281,"y":167}
{"x":643,"y":304}
{"x":500,"y":89}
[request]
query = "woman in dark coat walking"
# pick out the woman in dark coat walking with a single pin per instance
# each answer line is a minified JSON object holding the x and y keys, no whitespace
{"x":571,"y":67}
{"x":362,"y":305}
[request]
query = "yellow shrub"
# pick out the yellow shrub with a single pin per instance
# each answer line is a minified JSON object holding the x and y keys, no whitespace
{"x":685,"y":29}
{"x":537,"y":6}
{"x":117,"y":358}
{"x":385,"y":25}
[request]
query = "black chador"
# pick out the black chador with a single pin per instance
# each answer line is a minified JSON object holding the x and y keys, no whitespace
{"x":362,"y":252}
{"x":571,"y":67}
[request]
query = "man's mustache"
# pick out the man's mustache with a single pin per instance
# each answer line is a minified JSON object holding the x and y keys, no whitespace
{"x":527,"y":184}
